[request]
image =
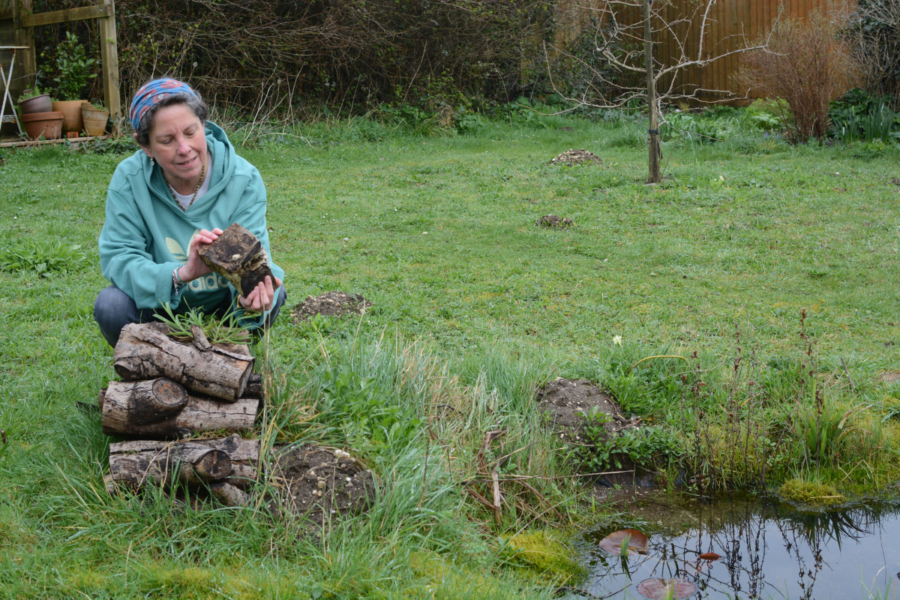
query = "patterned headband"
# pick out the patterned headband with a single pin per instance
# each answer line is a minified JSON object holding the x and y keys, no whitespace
{"x":152,"y":93}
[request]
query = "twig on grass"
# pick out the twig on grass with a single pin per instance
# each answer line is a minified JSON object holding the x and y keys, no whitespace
{"x":850,"y":379}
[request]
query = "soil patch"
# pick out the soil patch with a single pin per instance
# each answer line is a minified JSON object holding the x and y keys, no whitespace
{"x":890,"y":377}
{"x":320,"y":482}
{"x":330,"y":304}
{"x":554,"y":222}
{"x":566,"y":402}
{"x":570,"y":158}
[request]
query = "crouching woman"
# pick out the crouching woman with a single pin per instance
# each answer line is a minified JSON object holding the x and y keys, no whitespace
{"x":181,"y":189}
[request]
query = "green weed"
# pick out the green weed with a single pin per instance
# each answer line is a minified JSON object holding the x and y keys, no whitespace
{"x":44,"y":258}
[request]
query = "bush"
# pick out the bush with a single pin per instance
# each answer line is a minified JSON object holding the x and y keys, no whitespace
{"x":272,"y":56}
{"x":874,"y":34}
{"x":807,"y":65}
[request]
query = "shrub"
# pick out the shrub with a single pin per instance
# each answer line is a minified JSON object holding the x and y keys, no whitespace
{"x":874,"y":34}
{"x":807,"y":65}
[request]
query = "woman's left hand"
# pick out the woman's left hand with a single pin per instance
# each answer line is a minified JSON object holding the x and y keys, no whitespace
{"x":262,"y":297}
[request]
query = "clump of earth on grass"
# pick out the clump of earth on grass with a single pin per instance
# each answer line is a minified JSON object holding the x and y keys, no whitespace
{"x":330,"y":304}
{"x":321,"y":483}
{"x":554,"y":222}
{"x":567,"y":403}
{"x":570,"y":158}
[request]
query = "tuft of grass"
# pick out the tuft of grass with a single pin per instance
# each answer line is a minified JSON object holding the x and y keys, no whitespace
{"x":44,"y":258}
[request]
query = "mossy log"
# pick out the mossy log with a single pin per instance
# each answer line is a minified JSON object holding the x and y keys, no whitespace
{"x":239,"y":257}
{"x":230,"y":460}
{"x":146,"y":351}
{"x":162,"y":409}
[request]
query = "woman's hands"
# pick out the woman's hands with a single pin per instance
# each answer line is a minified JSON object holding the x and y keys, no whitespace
{"x":262,"y":297}
{"x":195,"y":266}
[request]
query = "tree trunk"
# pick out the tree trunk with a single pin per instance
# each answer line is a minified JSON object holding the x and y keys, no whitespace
{"x":239,"y":257}
{"x":145,"y":351}
{"x":230,"y":460}
{"x":651,"y":97}
{"x":162,"y":409}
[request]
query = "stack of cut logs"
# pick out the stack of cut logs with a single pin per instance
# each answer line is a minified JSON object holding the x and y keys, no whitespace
{"x":174,"y":388}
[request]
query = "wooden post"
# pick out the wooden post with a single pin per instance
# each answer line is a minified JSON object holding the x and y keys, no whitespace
{"x":26,"y":65}
{"x":651,"y":97}
{"x":109,"y":55}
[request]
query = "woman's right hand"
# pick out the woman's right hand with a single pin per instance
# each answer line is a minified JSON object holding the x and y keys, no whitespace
{"x":195,"y":266}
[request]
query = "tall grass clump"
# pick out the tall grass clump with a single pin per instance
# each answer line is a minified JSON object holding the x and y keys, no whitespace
{"x":808,"y":65}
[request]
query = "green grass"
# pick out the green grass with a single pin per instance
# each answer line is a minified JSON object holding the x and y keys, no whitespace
{"x":474,"y":306}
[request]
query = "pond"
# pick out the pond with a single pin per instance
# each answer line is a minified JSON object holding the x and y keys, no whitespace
{"x":766,"y":551}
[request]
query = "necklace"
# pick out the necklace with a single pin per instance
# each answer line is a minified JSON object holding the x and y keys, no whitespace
{"x":196,"y":189}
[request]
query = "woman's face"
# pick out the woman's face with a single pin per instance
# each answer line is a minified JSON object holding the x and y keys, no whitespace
{"x":178,"y":143}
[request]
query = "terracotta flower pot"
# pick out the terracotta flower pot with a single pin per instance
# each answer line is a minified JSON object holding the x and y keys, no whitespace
{"x":38,"y":104}
{"x":47,"y":124}
{"x":94,"y":120}
{"x":71,"y":110}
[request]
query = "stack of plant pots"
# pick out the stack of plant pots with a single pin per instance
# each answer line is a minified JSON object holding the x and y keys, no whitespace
{"x":40,"y":119}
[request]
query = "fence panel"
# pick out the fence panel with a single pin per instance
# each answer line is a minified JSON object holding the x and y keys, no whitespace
{"x":732,"y":23}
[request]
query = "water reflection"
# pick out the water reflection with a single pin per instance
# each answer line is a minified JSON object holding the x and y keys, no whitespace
{"x":766,"y":552}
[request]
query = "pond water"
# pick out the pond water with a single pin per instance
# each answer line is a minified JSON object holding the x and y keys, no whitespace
{"x":767,"y":551}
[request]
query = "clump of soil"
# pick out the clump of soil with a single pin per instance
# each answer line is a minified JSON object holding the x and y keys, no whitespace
{"x":554,"y":222}
{"x":330,"y":304}
{"x":570,"y":158}
{"x":567,"y":402}
{"x":320,"y":482}
{"x":890,"y":377}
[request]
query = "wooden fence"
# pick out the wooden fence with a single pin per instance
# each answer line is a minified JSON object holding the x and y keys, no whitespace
{"x":730,"y":23}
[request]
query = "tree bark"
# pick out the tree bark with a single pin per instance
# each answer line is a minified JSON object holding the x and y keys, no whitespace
{"x":145,"y":351}
{"x":230,"y":460}
{"x":654,"y":176}
{"x":162,"y":409}
{"x":239,"y":257}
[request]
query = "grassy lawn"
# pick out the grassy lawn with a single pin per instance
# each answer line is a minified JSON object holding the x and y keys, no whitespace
{"x":475,"y":304}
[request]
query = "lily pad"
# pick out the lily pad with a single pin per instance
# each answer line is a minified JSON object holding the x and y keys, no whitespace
{"x":657,"y":589}
{"x":709,"y":556}
{"x":637,"y":541}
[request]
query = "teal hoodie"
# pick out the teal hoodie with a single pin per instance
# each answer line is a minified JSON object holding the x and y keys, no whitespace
{"x":146,"y":235}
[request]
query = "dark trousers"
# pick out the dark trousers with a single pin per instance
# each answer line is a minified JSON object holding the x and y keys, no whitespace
{"x":114,"y":309}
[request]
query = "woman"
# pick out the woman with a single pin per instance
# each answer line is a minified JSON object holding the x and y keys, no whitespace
{"x":182,"y":188}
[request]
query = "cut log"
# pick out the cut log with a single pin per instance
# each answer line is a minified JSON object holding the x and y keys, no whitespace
{"x":255,"y":388}
{"x":229,"y":495}
{"x":230,"y":460}
{"x":189,"y":463}
{"x":239,"y":257}
{"x":162,"y":409}
{"x":145,"y":351}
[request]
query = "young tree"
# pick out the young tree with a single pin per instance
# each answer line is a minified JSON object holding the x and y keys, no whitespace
{"x":624,"y":41}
